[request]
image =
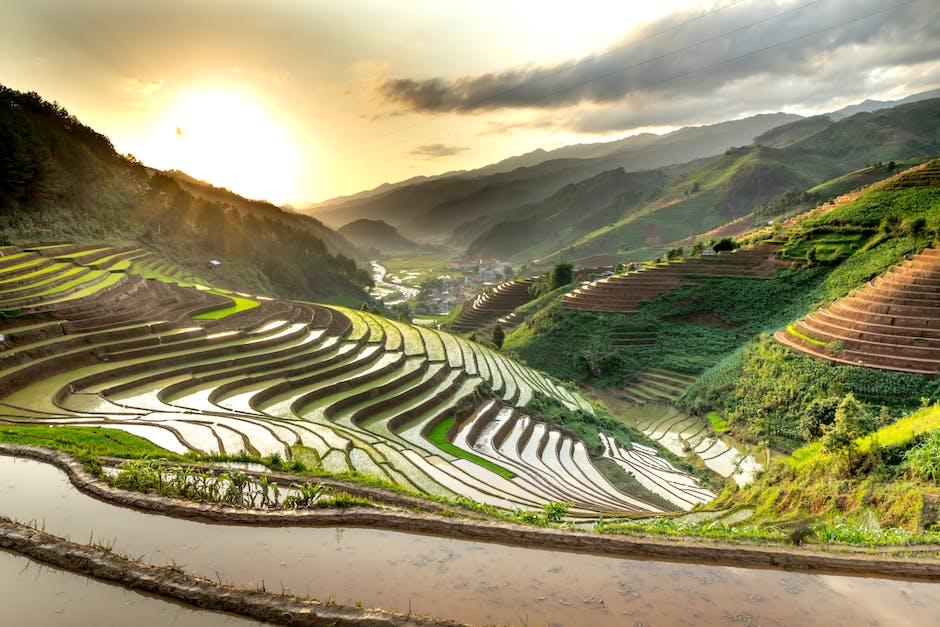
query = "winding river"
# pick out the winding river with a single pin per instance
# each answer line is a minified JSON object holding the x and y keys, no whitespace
{"x":389,"y":293}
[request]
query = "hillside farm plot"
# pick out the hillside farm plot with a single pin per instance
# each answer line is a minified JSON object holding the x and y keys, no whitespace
{"x":347,"y":391}
{"x":892,"y":322}
{"x":685,"y":435}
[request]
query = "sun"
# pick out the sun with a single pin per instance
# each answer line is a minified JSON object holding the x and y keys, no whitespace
{"x":228,"y":140}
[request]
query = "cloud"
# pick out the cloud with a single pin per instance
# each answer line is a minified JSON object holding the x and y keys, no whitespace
{"x":142,"y":87}
{"x":436,"y":151}
{"x":695,"y":55}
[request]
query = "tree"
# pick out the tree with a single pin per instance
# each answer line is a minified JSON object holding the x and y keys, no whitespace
{"x":562,"y":274}
{"x":851,"y":423}
{"x":725,"y":243}
{"x":499,"y":336}
{"x":916,"y":227}
{"x":818,"y":415}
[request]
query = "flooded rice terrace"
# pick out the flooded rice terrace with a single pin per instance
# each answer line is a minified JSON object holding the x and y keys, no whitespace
{"x":467,"y":581}
{"x":35,"y":594}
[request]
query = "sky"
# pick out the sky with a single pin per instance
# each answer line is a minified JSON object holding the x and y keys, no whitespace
{"x":296,"y":101}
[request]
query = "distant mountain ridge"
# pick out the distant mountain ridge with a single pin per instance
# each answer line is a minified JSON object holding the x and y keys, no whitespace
{"x":376,"y":235}
{"x":699,"y":196}
{"x":869,"y":106}
{"x":435,"y":208}
{"x":456,"y":207}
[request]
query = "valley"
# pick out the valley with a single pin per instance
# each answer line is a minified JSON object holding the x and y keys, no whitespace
{"x":567,"y":388}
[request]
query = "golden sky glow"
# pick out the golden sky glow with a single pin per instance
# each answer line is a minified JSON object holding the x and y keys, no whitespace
{"x":300,"y":100}
{"x":225,"y":138}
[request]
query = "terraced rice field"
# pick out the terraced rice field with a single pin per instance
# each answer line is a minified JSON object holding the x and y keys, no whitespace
{"x":351,"y":391}
{"x":893,"y":322}
{"x":626,"y":292}
{"x":493,"y":305}
{"x":657,"y":386}
{"x":686,"y":435}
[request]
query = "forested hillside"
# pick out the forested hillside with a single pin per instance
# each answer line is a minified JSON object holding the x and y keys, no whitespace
{"x":718,"y":327}
{"x":59,"y":179}
{"x":770,"y":178}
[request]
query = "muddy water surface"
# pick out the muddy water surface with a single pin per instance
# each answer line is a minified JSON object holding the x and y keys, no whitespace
{"x":34,"y":594}
{"x":468,"y":581}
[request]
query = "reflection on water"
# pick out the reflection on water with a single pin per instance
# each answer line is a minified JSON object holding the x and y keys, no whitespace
{"x":468,"y":581}
{"x":389,"y":293}
{"x":34,"y":594}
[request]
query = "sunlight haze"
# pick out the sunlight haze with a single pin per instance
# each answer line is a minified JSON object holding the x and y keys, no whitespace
{"x":297,"y":102}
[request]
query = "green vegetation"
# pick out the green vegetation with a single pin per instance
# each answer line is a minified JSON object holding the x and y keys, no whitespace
{"x":716,"y":328}
{"x":765,"y":390}
{"x":719,"y":424}
{"x":236,"y":488}
{"x":851,"y":531}
{"x":869,"y":481}
{"x":696,"y":327}
{"x":559,"y":276}
{"x":438,"y":437}
{"x":85,"y":441}
{"x":499,"y":336}
{"x":241,"y":304}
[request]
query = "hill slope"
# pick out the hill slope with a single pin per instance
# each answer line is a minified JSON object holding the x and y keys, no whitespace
{"x":708,"y":325}
{"x":433,"y":209}
{"x":60,"y":180}
{"x":741,"y":180}
{"x":376,"y":235}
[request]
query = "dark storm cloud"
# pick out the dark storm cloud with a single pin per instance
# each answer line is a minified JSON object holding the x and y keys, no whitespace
{"x":695,"y":54}
{"x":434,"y":151}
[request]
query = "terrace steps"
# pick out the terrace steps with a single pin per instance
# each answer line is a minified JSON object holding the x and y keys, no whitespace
{"x":625,"y":293}
{"x":657,"y":386}
{"x":361,"y":391}
{"x":487,"y":307}
{"x":542,"y":458}
{"x":892,"y":322}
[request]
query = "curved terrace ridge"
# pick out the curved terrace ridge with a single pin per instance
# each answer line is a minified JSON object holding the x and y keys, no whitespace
{"x":891,"y":323}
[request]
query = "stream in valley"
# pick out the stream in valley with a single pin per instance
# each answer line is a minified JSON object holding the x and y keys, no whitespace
{"x":388,"y":292}
{"x":467,"y":581}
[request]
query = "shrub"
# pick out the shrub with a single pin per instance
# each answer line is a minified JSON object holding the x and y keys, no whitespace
{"x":923,"y":460}
{"x":852,"y":421}
{"x":724,"y":244}
{"x":499,"y":336}
{"x":819,"y":414}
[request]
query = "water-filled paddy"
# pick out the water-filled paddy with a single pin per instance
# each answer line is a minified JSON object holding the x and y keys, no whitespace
{"x":468,"y":581}
{"x":35,"y":594}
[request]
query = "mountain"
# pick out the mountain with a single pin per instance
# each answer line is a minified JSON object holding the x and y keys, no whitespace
{"x":735,"y":183}
{"x":435,"y":209}
{"x":539,"y":228}
{"x":376,"y":235}
{"x":868,"y":106}
{"x":335,"y":243}
{"x":60,"y":179}
{"x":787,"y":134}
